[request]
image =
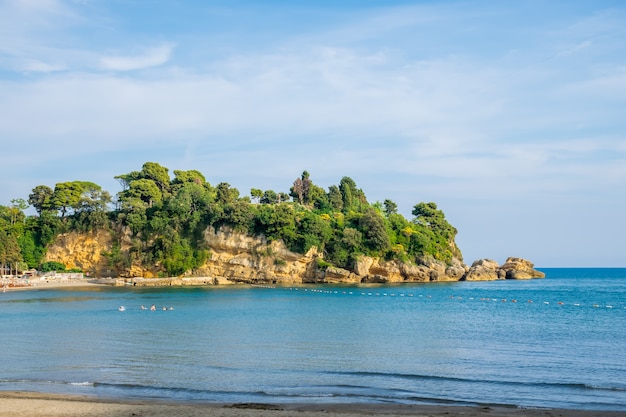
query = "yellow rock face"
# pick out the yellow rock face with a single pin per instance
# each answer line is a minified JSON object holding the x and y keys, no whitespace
{"x":239,"y":258}
{"x":84,"y":251}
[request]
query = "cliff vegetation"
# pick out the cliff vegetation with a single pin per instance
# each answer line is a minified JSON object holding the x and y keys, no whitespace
{"x":161,"y":225}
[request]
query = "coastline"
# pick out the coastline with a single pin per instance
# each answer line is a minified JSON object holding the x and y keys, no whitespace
{"x":54,"y":284}
{"x":34,"y":404}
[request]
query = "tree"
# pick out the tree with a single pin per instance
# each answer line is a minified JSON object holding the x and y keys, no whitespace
{"x":18,"y":205}
{"x":390,"y":207}
{"x":182,"y":177}
{"x":52,"y":266}
{"x":66,"y":195}
{"x":313,"y":230}
{"x":41,"y":198}
{"x":353,"y":198}
{"x":300,"y":188}
{"x":93,"y":198}
{"x":256,"y":194}
{"x":427,"y":214}
{"x":157,"y":173}
{"x":10,"y":254}
{"x":226,"y":194}
{"x":141,"y":193}
{"x":269,"y":197}
{"x":436,"y":236}
{"x":373,"y":228}
{"x":335,"y":198}
{"x":318,"y":198}
{"x":352,"y":238}
{"x":185,"y":209}
{"x":126,"y":179}
{"x":276,"y":222}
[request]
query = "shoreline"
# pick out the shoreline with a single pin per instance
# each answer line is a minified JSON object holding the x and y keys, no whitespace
{"x":52,"y":284}
{"x":36,"y":404}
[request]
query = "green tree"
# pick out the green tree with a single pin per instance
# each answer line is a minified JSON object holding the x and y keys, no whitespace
{"x":93,"y":198}
{"x":352,"y":239}
{"x":66,"y":196}
{"x":126,"y":179}
{"x":390,"y":207}
{"x":142,"y":193}
{"x":352,"y":197}
{"x":30,"y":250}
{"x":318,"y":198}
{"x":182,"y":177}
{"x":239,"y":215}
{"x":10,"y":253}
{"x":335,"y":198}
{"x":226,"y":194}
{"x":275,"y":222}
{"x":15,"y":213}
{"x":52,"y":266}
{"x":313,"y":231}
{"x":372,"y":225}
{"x":269,"y":197}
{"x":187,"y":207}
{"x":256,"y":194}
{"x":157,"y":173}
{"x":41,"y":198}
{"x":427,"y":214}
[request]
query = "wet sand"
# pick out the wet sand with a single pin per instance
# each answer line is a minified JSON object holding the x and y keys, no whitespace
{"x":28,"y":404}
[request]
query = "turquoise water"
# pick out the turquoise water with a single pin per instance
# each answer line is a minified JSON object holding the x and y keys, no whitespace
{"x":453,"y":343}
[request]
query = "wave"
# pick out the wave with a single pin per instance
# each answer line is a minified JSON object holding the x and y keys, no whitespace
{"x":44,"y":381}
{"x":572,"y":385}
{"x":336,"y":390}
{"x":339,"y":393}
{"x":320,"y":393}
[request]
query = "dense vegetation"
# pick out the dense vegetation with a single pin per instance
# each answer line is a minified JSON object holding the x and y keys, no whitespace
{"x":167,"y":217}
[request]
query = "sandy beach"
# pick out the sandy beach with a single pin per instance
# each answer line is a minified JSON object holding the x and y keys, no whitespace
{"x":28,"y":404}
{"x":36,"y":284}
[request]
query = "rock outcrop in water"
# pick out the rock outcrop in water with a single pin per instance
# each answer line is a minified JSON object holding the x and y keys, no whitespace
{"x":513,"y":268}
{"x":239,"y":258}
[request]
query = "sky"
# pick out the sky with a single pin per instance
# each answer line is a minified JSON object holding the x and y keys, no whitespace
{"x":510,"y":116}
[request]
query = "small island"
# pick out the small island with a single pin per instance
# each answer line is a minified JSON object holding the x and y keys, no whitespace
{"x":184,"y":231}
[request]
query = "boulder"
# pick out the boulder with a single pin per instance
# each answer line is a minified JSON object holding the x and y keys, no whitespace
{"x":519,"y":268}
{"x":483,"y":270}
{"x":334,"y":275}
{"x":363,"y":264}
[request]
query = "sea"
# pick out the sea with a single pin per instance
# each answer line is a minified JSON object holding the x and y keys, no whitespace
{"x":558,"y":342}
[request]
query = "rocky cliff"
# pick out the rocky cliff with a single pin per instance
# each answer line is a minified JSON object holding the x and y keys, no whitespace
{"x":238,"y":258}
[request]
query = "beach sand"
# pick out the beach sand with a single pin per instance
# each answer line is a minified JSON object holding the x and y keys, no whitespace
{"x":28,"y":404}
{"x":36,"y":284}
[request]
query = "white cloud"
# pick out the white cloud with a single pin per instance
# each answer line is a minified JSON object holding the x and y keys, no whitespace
{"x":480,"y":134}
{"x":39,"y":66}
{"x":152,"y":57}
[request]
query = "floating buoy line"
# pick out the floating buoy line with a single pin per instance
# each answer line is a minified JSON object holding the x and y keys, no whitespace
{"x":402,"y":294}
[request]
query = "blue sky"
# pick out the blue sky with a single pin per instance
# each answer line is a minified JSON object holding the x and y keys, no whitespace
{"x":511,"y":116}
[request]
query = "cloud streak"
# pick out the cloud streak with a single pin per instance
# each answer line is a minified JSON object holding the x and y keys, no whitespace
{"x":152,"y":57}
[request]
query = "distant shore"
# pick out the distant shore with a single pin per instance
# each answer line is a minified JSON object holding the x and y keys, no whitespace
{"x":29,"y":404}
{"x":52,"y":284}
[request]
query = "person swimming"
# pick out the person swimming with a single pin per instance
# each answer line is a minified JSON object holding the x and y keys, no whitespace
{"x":152,"y":307}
